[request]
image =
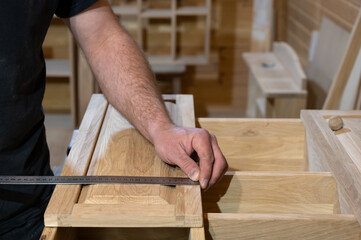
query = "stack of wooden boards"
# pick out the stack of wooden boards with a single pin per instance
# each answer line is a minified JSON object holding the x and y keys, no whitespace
{"x":267,"y":193}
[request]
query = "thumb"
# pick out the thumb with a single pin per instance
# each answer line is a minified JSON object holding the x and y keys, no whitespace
{"x":188,"y":166}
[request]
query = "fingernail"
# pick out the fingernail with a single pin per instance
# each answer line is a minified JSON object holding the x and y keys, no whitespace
{"x":204,"y":183}
{"x":193,"y":174}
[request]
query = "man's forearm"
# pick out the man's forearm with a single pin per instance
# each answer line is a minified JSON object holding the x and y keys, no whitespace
{"x":129,"y":85}
{"x":125,"y":76}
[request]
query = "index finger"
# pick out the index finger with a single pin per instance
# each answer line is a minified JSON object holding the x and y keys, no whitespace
{"x":203,"y":146}
{"x":220,"y":165}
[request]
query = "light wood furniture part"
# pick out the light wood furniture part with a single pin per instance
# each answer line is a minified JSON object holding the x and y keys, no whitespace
{"x":268,"y":192}
{"x":108,"y":145}
{"x":337,"y":152}
{"x":285,"y":202}
{"x":262,"y":26}
{"x":277,"y":83}
{"x":347,"y":64}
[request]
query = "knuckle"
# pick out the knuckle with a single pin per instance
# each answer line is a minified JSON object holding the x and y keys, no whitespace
{"x":203,"y":133}
{"x":225,"y":166}
{"x":205,"y":155}
{"x":186,"y":164}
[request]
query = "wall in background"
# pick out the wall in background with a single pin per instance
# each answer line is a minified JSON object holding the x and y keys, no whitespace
{"x":305,"y":16}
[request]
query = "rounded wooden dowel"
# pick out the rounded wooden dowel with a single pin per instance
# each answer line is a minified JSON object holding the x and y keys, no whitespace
{"x":335,"y":123}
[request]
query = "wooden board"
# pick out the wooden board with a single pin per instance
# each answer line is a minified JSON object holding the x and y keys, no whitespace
{"x":121,"y":150}
{"x":337,"y":151}
{"x":64,"y":196}
{"x":272,"y":192}
{"x":259,"y":144}
{"x":344,"y":70}
{"x":351,"y":95}
{"x":262,"y":26}
{"x":228,"y":226}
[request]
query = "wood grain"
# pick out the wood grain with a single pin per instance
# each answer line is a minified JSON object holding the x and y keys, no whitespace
{"x":338,"y":151}
{"x":228,"y":226}
{"x":64,"y":196}
{"x":259,"y":144}
{"x":272,"y":192}
{"x":121,"y":150}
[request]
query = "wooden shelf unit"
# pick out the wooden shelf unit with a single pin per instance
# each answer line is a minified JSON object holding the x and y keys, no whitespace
{"x":139,"y":10}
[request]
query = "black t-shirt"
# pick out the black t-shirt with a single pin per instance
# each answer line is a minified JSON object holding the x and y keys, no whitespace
{"x":23,"y":148}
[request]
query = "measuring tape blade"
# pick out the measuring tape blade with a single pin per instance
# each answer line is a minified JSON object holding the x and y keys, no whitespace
{"x":86,"y":180}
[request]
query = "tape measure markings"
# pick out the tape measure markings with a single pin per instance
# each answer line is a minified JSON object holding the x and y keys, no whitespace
{"x":86,"y":180}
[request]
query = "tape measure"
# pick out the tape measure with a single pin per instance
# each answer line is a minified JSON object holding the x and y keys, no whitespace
{"x":87,"y":180}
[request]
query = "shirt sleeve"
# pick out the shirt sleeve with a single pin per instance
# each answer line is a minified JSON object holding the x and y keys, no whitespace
{"x":69,"y":8}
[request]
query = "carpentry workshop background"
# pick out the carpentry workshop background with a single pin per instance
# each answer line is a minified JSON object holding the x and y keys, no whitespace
{"x":251,"y":66}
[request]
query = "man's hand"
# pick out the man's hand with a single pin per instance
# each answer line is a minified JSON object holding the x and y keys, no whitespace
{"x":175,"y":145}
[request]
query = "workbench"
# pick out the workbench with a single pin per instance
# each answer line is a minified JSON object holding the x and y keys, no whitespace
{"x":287,"y":179}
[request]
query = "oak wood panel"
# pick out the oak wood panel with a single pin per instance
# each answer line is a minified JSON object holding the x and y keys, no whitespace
{"x":64,"y":196}
{"x":259,"y":144}
{"x":121,"y":150}
{"x":227,"y":226}
{"x":272,"y":192}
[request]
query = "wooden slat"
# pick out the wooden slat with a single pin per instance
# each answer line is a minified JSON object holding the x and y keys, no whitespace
{"x":302,"y":17}
{"x":282,"y":226}
{"x":299,"y":30}
{"x":310,"y":8}
{"x":259,"y":144}
{"x":339,"y":82}
{"x":342,"y":12}
{"x":64,"y":196}
{"x":262,"y":28}
{"x":272,"y":192}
